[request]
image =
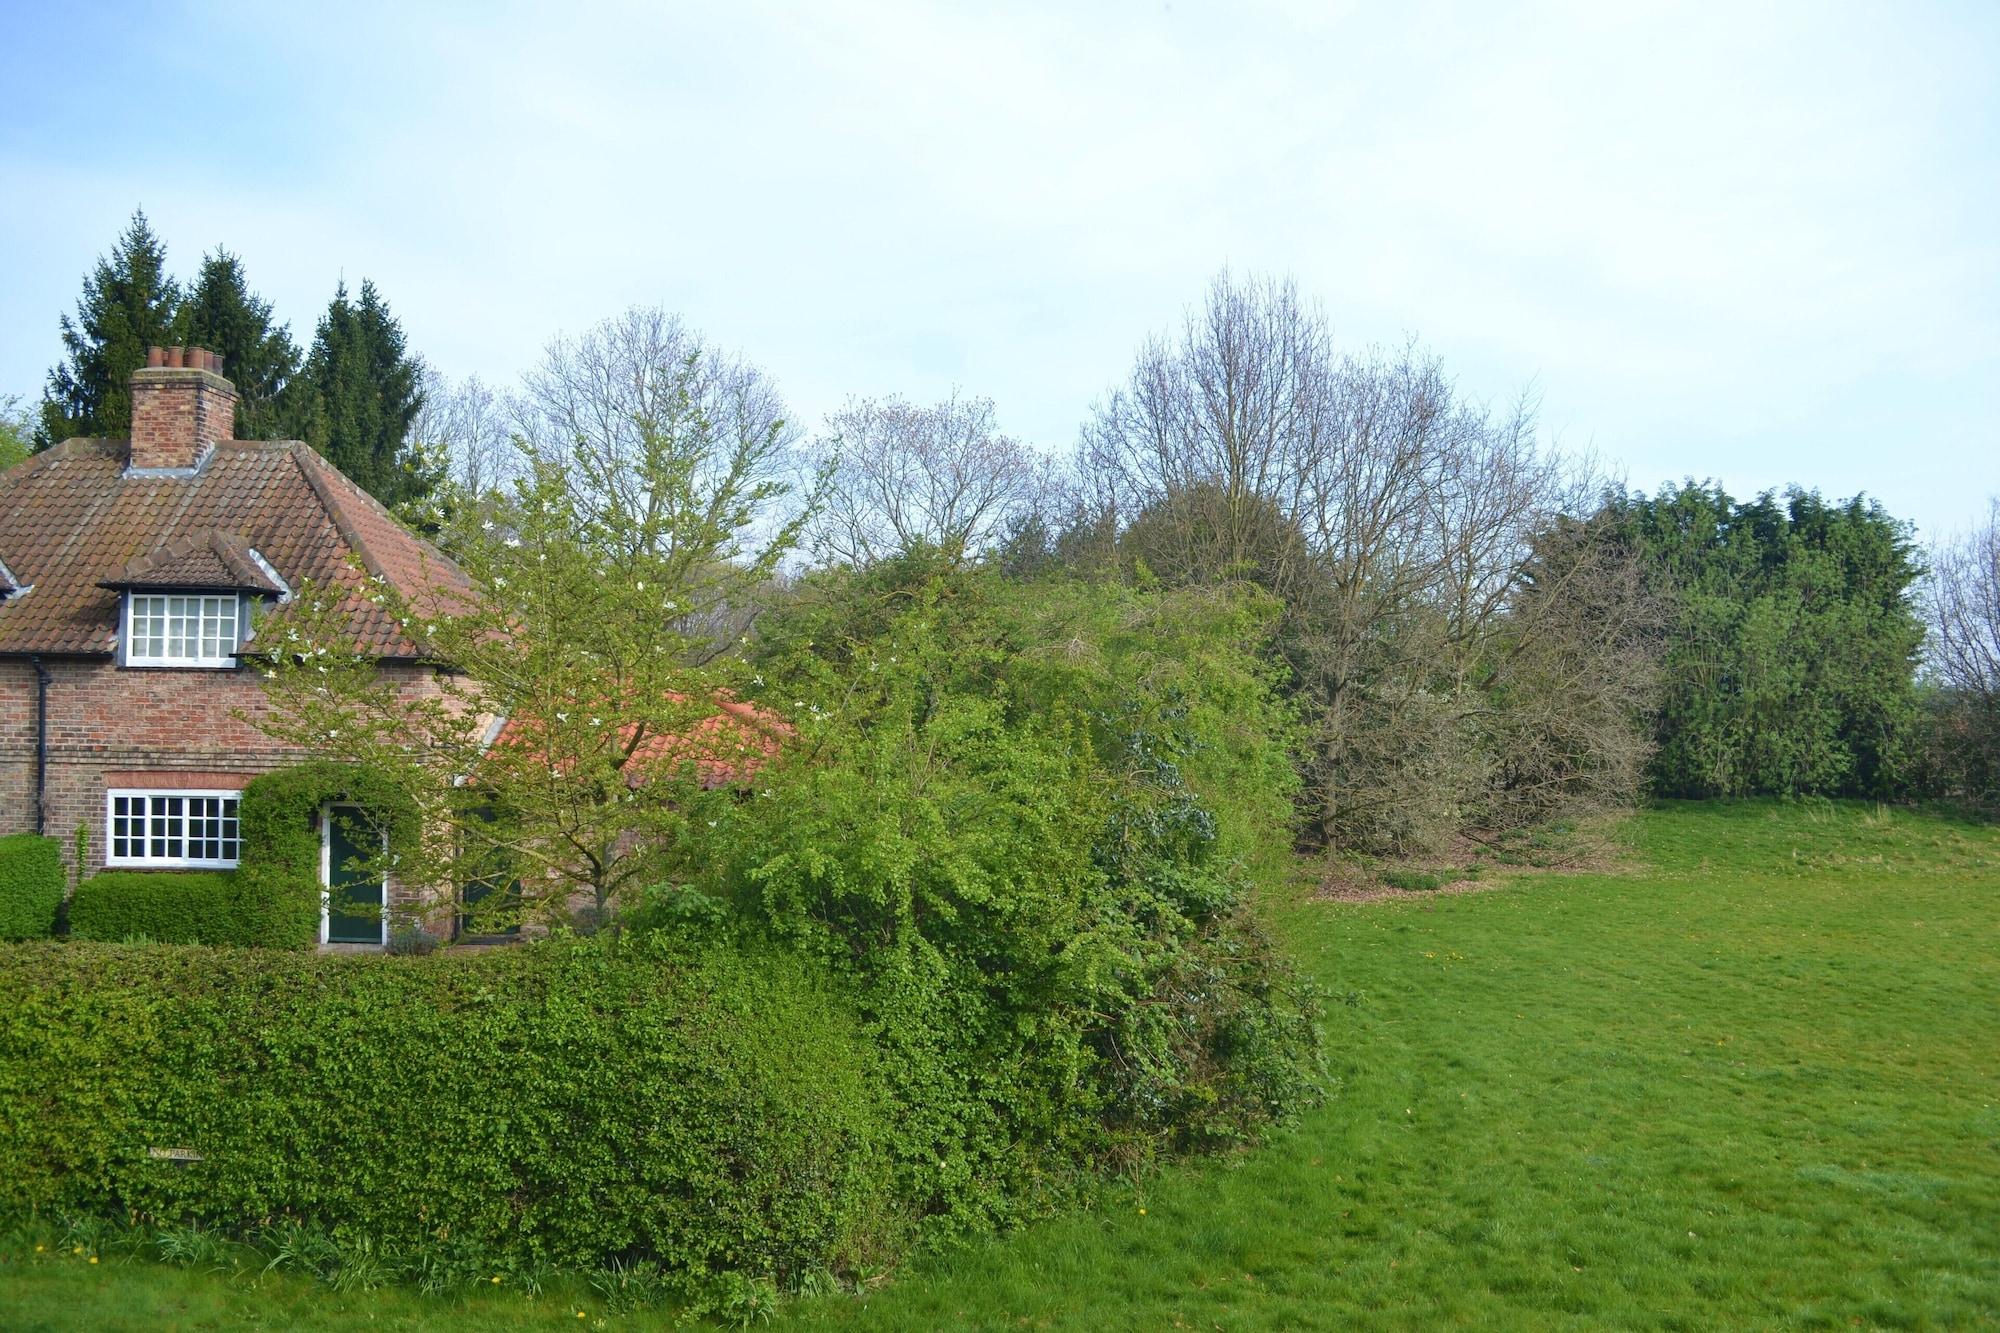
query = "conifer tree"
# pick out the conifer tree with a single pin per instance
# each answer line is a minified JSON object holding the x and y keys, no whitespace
{"x":222,"y":314}
{"x":129,"y":303}
{"x":356,"y":396}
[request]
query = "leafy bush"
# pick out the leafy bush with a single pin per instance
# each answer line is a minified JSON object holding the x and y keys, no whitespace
{"x":31,"y":885}
{"x":1791,"y":666}
{"x":568,"y":1102}
{"x":1025,"y":831}
{"x":163,"y":906}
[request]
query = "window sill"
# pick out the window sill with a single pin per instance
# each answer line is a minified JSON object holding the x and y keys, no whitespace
{"x":171,"y":865}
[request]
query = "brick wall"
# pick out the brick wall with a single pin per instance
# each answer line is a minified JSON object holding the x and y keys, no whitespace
{"x":111,"y":727}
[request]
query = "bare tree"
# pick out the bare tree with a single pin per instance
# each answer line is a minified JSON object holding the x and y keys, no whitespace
{"x":664,"y":435}
{"x":1395,"y":520}
{"x":469,"y":429}
{"x":1230,"y":407}
{"x":902,"y":475}
{"x":679,"y":458}
{"x":1965,"y":611}
{"x":1964,"y":653}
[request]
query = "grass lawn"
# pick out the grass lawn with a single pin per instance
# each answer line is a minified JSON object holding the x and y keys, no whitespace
{"x":1753,"y":1081}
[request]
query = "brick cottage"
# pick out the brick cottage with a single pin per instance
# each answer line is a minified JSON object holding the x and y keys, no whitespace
{"x":133,"y":578}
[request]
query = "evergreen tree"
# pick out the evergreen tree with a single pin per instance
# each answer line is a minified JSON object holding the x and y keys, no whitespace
{"x":1791,"y":667}
{"x":356,"y":396}
{"x":129,"y":303}
{"x":222,"y":314}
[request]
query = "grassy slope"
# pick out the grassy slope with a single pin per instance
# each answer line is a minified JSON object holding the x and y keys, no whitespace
{"x":1757,"y":1082}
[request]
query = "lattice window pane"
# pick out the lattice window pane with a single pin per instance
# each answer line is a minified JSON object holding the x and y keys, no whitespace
{"x":183,"y":629}
{"x":175,"y":828}
{"x":125,"y":840}
{"x":166,"y":841}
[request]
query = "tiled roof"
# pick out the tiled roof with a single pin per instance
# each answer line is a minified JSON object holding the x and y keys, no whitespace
{"x":71,"y":518}
{"x":726,"y":747}
{"x":208,"y":558}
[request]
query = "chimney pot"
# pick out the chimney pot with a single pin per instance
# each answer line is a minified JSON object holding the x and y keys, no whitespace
{"x":176,"y":417}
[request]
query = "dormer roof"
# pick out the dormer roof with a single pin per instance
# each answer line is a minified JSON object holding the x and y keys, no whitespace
{"x":207,"y":559}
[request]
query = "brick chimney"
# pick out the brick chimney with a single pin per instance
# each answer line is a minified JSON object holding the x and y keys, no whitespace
{"x":180,"y":406}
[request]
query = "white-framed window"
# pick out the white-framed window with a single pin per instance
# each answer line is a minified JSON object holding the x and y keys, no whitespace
{"x":172,"y":829}
{"x":181,"y":629}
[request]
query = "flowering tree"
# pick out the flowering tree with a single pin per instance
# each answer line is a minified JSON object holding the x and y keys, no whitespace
{"x":579,"y":709}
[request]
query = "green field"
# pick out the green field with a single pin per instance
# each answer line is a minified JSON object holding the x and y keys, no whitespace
{"x":1751,"y":1078}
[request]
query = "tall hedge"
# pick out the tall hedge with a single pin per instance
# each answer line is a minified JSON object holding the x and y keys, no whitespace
{"x":568,"y":1102}
{"x":31,"y":885}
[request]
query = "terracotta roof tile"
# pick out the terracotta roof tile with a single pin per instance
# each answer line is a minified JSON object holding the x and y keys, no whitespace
{"x":726,"y":747}
{"x":71,"y":516}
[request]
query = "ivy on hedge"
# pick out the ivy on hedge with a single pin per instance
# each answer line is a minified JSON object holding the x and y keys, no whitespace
{"x":568,"y":1102}
{"x":31,"y":885}
{"x":278,"y":878}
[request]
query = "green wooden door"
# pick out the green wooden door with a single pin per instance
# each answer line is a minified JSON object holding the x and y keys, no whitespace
{"x":354,"y":897}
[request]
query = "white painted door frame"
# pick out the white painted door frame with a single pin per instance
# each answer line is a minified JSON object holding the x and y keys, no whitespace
{"x":326,"y":873}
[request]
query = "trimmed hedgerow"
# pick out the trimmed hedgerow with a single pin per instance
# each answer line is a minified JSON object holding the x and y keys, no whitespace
{"x":31,"y":885}
{"x":569,"y":1102}
{"x":165,"y":907}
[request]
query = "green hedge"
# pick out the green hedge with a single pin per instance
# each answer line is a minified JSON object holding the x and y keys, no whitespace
{"x":31,"y":885}
{"x":569,"y":1102}
{"x":165,"y":907}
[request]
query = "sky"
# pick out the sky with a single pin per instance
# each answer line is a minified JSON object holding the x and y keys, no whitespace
{"x":1752,"y":242}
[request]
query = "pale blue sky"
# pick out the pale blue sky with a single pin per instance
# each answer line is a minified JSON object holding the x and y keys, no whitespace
{"x":1753,"y":241}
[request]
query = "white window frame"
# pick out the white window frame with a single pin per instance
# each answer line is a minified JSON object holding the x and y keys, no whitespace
{"x":147,"y":861}
{"x":130,"y":644}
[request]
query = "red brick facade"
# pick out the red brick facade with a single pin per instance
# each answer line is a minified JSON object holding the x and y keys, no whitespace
{"x":155,"y":729}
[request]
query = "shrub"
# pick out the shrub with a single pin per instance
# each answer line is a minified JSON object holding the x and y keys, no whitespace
{"x":31,"y":885}
{"x":568,"y":1102}
{"x":163,"y":906}
{"x":1024,"y":833}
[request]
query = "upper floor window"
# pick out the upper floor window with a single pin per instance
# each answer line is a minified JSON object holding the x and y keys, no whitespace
{"x":181,"y":629}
